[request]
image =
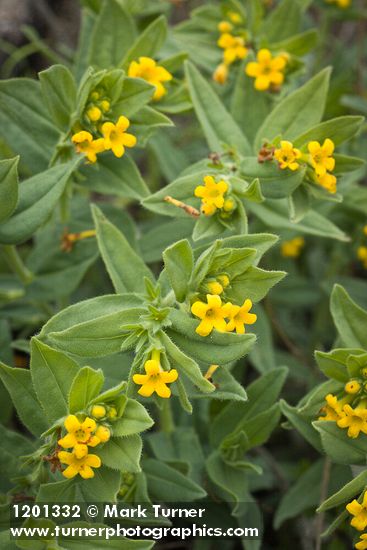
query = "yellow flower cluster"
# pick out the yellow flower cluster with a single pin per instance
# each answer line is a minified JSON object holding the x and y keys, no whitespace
{"x":292,"y":248}
{"x":340,"y":4}
{"x":319,"y":157}
{"x":233,"y":46}
{"x":214,"y":196}
{"x":268,"y":70}
{"x":114,"y":138}
{"x":147,"y":69}
{"x":155,"y":378}
{"x":80,"y":436}
{"x":345,"y":416}
{"x":362,"y":251}
{"x":224,"y":317}
{"x":98,"y":105}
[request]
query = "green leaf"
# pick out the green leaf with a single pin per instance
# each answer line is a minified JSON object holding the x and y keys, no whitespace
{"x":149,"y":41}
{"x":259,"y":427}
{"x":283,"y":21}
{"x":121,"y":453}
{"x":262,"y":356}
{"x":299,"y":110}
{"x":224,"y":347}
{"x":24,"y":122}
{"x":38,"y":197}
{"x":166,"y":484}
{"x":254,"y":284}
{"x":275,"y":183}
{"x":59,"y":92}
{"x":333,"y":364}
{"x":350,"y":320}
{"x":52,"y":373}
{"x":338,"y":129}
{"x":179,"y":262}
{"x":345,"y":164}
{"x":341,"y":448}
{"x":112,"y":36}
{"x":115,"y":176}
{"x":299,"y":44}
{"x":19,"y":384}
{"x":85,"y":387}
{"x":8,"y":187}
{"x":217,"y":124}
{"x":126,"y":269}
{"x":226,"y":387}
{"x":135,"y":419}
{"x":303,"y":423}
{"x":275,"y":214}
{"x":187,"y":365}
{"x":346,"y":493}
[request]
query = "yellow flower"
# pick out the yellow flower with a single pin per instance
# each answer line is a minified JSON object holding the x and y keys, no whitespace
{"x":267,"y":71}
{"x":292,"y":248}
{"x":212,"y":194}
{"x":355,"y":420}
{"x":79,"y":432}
{"x":233,"y":46}
{"x":85,"y":143}
{"x":225,"y":26}
{"x":105,"y":105}
{"x":328,"y":181}
{"x":82,"y":466}
{"x":224,"y":280}
{"x":359,"y":511}
{"x":94,"y":113}
{"x":239,"y":316}
{"x":341,"y":4}
{"x":155,"y":379}
{"x":214,"y":287}
{"x":220,"y":74}
{"x":212,"y":314}
{"x":235,"y":17}
{"x":116,"y":138}
{"x":362,"y":543}
{"x":148,"y":70}
{"x":103,"y":434}
{"x":321,"y":156}
{"x":112,"y":413}
{"x":287,"y":156}
{"x":98,"y":411}
{"x":352,"y":387}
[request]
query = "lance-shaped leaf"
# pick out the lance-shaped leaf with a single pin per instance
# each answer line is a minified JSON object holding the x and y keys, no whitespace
{"x":38,"y":197}
{"x":346,"y":493}
{"x":298,"y":111}
{"x":121,"y":453}
{"x":85,"y":387}
{"x":126,"y":269}
{"x":52,"y":373}
{"x":18,"y":382}
{"x":59,"y":92}
{"x":349,"y":318}
{"x":149,"y":41}
{"x":341,"y":448}
{"x":179,"y":262}
{"x":187,"y":365}
{"x":254,"y":283}
{"x":135,"y":419}
{"x":8,"y":187}
{"x":217,"y":124}
{"x":168,"y":484}
{"x":338,"y":129}
{"x":275,"y":183}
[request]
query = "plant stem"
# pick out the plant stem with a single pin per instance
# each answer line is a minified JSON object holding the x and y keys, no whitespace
{"x":166,"y":417}
{"x":16,"y":263}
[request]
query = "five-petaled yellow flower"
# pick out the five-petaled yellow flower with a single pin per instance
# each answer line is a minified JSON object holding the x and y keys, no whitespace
{"x":155,"y":379}
{"x":362,"y":543}
{"x":115,"y":136}
{"x":287,"y":156}
{"x":148,"y":70}
{"x":82,"y":465}
{"x":239,"y":316}
{"x":321,"y":156}
{"x":359,"y":511}
{"x":353,"y":419}
{"x":79,"y":432}
{"x":292,"y":248}
{"x":84,"y":143}
{"x":212,"y":314}
{"x":268,"y":71}
{"x":211,"y":194}
{"x":333,"y":410}
{"x":233,"y":46}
